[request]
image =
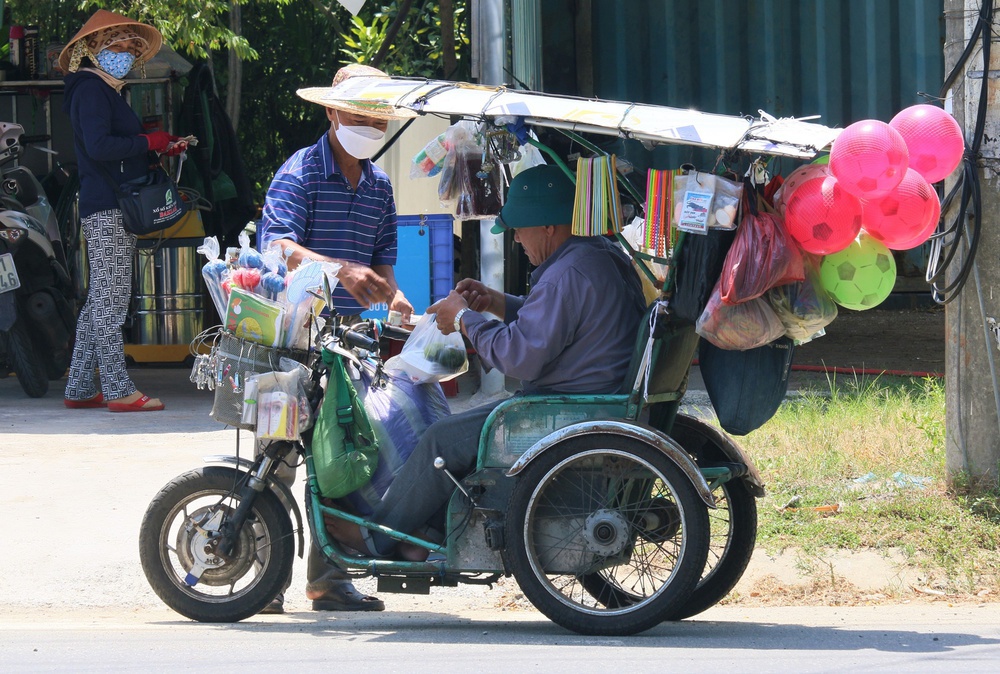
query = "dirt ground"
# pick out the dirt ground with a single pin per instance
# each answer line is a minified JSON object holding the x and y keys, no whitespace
{"x":894,"y":340}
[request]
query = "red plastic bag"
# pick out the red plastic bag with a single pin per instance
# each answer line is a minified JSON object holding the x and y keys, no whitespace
{"x":762,"y":257}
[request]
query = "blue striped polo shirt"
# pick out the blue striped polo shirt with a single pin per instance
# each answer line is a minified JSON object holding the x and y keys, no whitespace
{"x":311,"y":202}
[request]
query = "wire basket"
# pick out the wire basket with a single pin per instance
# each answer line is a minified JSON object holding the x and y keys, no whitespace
{"x":233,"y":360}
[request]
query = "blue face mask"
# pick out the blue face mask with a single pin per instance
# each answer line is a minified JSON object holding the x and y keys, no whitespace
{"x":116,"y":64}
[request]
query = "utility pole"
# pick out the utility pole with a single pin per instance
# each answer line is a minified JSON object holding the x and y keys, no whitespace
{"x":972,"y":354}
{"x":489,"y":54}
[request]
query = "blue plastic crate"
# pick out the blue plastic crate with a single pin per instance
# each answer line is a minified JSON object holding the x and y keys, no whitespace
{"x":425,"y":260}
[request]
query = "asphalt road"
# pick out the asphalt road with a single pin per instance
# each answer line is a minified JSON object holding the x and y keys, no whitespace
{"x":75,"y":484}
{"x":428,"y":637}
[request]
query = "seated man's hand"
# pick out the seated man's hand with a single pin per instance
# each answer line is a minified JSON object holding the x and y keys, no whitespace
{"x":365,"y":285}
{"x":476,"y":294}
{"x":446,"y":309}
{"x":402,"y":305}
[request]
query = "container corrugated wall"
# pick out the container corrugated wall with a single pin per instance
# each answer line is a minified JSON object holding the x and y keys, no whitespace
{"x":842,"y":59}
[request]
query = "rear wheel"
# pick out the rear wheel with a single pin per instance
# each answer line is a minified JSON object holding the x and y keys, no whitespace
{"x":30,"y":370}
{"x":610,"y":511}
{"x":734,"y":533}
{"x":178,"y":542}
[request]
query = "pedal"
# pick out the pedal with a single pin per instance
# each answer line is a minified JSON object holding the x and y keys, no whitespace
{"x":493,"y":529}
{"x":404,"y":585}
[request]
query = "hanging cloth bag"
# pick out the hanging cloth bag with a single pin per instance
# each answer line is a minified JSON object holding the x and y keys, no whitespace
{"x":746,"y":387}
{"x":344,"y":446}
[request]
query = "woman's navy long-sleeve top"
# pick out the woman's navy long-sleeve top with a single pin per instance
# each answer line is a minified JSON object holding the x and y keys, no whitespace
{"x":105,"y":134}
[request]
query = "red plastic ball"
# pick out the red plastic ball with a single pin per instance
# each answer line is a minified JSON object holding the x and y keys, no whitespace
{"x":869,"y":158}
{"x":901,"y":215}
{"x":933,"y":138}
{"x":796,"y":178}
{"x":823,"y":217}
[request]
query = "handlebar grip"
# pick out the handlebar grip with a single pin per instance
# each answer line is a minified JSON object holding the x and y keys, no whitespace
{"x":359,"y":341}
{"x":28,"y":140}
{"x":392,"y":332}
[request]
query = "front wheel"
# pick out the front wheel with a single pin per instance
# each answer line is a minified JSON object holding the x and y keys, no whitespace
{"x":23,"y":356}
{"x":611,"y":513}
{"x":178,"y":541}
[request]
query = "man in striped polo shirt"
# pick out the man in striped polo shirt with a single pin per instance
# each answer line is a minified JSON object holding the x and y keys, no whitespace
{"x":330,"y":202}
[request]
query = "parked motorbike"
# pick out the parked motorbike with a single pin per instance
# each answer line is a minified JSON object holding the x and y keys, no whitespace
{"x":612,"y":512}
{"x":37,"y":299}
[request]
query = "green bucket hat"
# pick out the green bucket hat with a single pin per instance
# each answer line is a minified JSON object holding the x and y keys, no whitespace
{"x":539,"y":196}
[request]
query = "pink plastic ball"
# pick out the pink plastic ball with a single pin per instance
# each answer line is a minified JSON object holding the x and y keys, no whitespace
{"x":901,"y":215}
{"x":921,"y":236}
{"x":933,"y":138}
{"x":795,"y":179}
{"x":869,"y":158}
{"x":822,"y":216}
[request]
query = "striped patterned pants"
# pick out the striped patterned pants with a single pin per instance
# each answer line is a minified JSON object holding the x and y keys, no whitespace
{"x":99,"y":342}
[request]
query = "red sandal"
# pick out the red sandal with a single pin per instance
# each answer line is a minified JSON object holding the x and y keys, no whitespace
{"x":89,"y":403}
{"x":137,"y":405}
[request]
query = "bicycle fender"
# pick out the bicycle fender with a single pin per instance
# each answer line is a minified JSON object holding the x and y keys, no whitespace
{"x":643,"y":434}
{"x":729,"y":447}
{"x":280,"y":490}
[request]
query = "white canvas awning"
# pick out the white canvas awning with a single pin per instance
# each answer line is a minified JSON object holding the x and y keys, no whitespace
{"x":656,"y":124}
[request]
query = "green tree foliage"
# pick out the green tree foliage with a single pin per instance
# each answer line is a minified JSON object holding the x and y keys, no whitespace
{"x":196,"y":28}
{"x":284,"y":45}
{"x":302,"y":48}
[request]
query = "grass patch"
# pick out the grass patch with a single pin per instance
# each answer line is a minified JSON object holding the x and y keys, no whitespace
{"x":875,"y":447}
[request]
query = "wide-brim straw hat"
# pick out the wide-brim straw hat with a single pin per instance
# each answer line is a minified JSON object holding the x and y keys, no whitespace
{"x":327,"y":97}
{"x":102,"y":20}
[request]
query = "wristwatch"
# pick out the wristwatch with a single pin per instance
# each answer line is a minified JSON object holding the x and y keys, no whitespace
{"x":458,"y":319}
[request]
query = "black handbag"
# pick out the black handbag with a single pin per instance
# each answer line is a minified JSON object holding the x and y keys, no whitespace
{"x":149,"y":204}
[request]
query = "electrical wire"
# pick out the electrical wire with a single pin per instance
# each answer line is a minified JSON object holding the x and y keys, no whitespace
{"x":958,"y":243}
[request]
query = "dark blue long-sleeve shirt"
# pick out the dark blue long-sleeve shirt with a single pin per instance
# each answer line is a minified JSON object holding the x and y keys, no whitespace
{"x":105,"y":133}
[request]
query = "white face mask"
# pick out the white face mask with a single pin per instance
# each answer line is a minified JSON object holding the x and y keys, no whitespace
{"x":361,"y":142}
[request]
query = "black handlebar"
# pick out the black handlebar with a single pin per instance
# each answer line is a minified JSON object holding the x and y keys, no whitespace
{"x":29,"y":140}
{"x":357,"y":340}
{"x":392,"y":332}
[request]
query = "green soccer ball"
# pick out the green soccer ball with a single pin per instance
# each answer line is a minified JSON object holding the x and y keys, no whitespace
{"x":861,"y":276}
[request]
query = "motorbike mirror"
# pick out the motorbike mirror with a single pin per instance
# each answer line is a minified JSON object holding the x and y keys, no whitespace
{"x":327,"y":292}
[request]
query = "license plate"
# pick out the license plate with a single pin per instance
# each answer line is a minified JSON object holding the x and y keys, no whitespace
{"x":8,"y":274}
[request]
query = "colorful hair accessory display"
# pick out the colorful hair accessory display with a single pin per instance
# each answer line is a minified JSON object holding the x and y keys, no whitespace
{"x":659,"y":194}
{"x":597,"y":209}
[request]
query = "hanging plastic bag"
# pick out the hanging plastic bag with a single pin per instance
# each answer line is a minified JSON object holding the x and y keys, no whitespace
{"x":804,"y":308}
{"x":429,"y":355}
{"x":400,"y":411}
{"x":471,"y":186}
{"x":699,"y":265}
{"x":739,"y":326}
{"x":762,"y":256}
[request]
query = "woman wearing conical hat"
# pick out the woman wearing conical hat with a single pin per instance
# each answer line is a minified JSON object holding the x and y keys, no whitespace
{"x":111,"y":145}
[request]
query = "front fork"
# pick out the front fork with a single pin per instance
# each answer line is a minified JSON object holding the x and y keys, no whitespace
{"x":256,"y":482}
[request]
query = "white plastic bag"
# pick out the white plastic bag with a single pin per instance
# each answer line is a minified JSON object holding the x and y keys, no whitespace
{"x":429,"y":355}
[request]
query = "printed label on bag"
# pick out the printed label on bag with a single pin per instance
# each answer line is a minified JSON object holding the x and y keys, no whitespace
{"x":694,"y":211}
{"x":168,"y":211}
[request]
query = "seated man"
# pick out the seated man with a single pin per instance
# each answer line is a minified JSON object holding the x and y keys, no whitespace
{"x":573,"y":333}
